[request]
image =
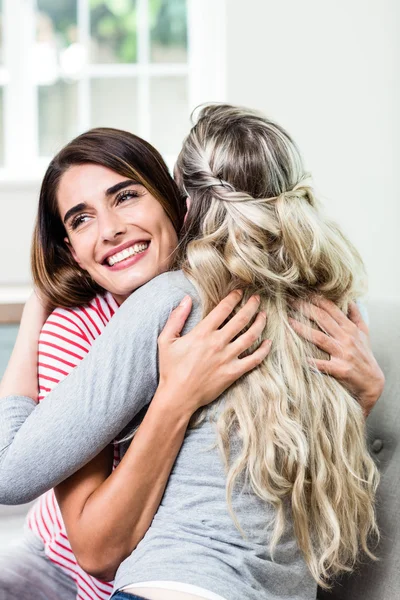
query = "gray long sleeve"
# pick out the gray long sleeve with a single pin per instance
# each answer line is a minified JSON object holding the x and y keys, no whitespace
{"x":41,"y":445}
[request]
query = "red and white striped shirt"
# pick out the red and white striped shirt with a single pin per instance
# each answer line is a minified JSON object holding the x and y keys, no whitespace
{"x":65,"y":339}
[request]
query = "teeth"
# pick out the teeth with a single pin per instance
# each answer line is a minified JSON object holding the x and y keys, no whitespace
{"x":116,"y":258}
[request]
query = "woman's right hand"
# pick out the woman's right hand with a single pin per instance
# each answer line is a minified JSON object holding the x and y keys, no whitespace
{"x":202,"y":364}
{"x":346,"y":339}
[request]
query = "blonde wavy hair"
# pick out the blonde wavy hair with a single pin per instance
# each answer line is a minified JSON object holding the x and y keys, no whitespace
{"x":254,"y":223}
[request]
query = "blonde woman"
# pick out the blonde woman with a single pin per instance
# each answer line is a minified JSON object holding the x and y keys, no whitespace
{"x":273,"y":489}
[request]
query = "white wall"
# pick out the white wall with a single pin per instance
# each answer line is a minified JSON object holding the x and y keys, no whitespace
{"x":328,"y":72}
{"x":18,"y":204}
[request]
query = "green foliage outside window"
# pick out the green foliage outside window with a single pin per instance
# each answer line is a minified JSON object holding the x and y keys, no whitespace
{"x":63,"y":14}
{"x":114,"y":23}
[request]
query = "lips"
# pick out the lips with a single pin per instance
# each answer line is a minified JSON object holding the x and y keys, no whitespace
{"x":127,"y":263}
{"x":127,"y":253}
{"x":121,"y":248}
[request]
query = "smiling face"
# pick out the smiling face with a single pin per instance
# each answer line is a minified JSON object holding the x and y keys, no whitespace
{"x":117,"y":231}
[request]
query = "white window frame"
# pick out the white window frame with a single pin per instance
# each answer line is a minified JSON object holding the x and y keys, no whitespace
{"x":206,"y":71}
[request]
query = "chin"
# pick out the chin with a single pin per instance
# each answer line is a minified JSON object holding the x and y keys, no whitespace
{"x":127,"y":291}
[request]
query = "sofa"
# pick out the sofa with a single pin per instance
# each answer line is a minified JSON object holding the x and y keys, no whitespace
{"x":380,"y":580}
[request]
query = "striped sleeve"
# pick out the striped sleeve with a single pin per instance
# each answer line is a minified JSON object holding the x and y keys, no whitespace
{"x":113,"y":383}
{"x":63,"y":343}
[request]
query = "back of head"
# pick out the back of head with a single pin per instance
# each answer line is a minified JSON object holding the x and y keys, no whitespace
{"x":254,"y":223}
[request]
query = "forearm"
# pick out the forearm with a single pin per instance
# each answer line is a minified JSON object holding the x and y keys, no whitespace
{"x":134,"y":490}
{"x":43,"y":445}
{"x":20,"y":377}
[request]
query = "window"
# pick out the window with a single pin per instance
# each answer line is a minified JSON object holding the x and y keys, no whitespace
{"x":69,"y":65}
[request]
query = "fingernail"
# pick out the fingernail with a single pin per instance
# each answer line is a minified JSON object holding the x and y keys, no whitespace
{"x":257,"y":297}
{"x":263,"y":313}
{"x":184,"y":301}
{"x":240,"y":292}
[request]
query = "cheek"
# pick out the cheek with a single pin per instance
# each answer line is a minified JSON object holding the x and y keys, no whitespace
{"x":157,"y":223}
{"x":80,"y":251}
{"x":169,"y":236}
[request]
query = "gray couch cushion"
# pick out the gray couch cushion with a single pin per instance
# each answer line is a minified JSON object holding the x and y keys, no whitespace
{"x":381,"y":580}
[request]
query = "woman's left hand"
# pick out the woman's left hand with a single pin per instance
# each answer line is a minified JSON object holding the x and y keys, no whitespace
{"x":347,"y":341}
{"x":198,"y":366}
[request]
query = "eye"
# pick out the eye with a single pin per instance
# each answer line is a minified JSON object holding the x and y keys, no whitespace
{"x":78,"y":220}
{"x":126,"y":195}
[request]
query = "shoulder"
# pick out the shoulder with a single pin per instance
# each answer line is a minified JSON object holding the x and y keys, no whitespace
{"x":84,"y":322}
{"x":165,"y":289}
{"x":171,"y":282}
{"x":151,"y":304}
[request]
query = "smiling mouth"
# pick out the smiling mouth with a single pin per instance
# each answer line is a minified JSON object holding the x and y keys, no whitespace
{"x":127,"y":253}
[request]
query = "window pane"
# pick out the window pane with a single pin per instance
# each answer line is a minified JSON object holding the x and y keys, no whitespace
{"x":58,"y":116}
{"x":168,"y":35}
{"x":114,"y":103}
{"x":58,"y":60}
{"x":169,"y":113}
{"x":58,"y":55}
{"x":113,"y":31}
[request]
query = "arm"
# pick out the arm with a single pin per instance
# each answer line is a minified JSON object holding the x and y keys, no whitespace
{"x":24,"y":355}
{"x":135,"y":488}
{"x":102,"y":537}
{"x":40,"y":446}
{"x":346,"y":339}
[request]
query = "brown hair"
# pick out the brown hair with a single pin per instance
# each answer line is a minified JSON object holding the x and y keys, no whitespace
{"x":60,"y":280}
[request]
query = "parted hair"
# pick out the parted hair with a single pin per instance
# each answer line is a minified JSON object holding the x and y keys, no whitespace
{"x":59,"y":279}
{"x":255,"y":223}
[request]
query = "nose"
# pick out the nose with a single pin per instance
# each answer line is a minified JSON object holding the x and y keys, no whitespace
{"x":110,"y":226}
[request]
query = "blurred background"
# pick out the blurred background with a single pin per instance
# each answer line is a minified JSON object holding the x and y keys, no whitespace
{"x":327,"y":71}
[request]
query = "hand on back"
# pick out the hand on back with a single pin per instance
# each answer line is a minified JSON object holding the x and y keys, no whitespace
{"x":202,"y":364}
{"x":346,"y":340}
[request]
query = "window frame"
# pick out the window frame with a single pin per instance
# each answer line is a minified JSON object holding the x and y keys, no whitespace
{"x":205,"y":70}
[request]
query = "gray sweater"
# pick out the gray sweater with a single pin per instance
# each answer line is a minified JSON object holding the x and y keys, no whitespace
{"x":192,"y":538}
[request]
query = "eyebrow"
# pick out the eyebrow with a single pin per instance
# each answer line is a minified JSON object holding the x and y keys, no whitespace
{"x":120,"y":186}
{"x":74,"y":210}
{"x":110,"y":192}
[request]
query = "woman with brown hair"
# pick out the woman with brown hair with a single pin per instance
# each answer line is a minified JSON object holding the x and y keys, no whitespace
{"x":192,"y":546}
{"x":121,"y":215}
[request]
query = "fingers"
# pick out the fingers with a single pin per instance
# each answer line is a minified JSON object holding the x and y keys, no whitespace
{"x":176,"y":320}
{"x":325,"y":366}
{"x":252,"y":361}
{"x":247,"y":339}
{"x":330,"y":307}
{"x":241,"y":319}
{"x":321,"y":316}
{"x":355,"y":317}
{"x":320,"y":339}
{"x":222,"y":311}
{"x":334,"y":311}
{"x":340,"y":370}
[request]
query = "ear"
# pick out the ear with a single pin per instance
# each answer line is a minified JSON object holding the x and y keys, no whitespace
{"x":71,"y":249}
{"x":188,"y":203}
